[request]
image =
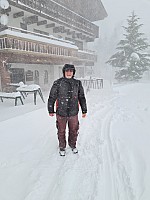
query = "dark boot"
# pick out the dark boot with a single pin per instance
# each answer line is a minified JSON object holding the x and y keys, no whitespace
{"x":62,"y":151}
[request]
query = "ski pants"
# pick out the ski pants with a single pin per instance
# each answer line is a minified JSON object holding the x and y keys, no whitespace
{"x":73,"y":127}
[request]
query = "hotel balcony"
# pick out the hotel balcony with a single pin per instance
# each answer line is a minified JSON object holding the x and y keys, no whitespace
{"x":18,"y":41}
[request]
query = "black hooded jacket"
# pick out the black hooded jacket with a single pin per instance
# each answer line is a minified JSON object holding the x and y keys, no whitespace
{"x":68,"y":94}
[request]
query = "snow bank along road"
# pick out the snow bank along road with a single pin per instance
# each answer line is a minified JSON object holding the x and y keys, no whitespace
{"x":31,"y":168}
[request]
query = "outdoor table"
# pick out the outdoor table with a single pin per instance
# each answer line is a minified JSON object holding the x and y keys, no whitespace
{"x":15,"y":85}
{"x":24,"y":89}
{"x":11,"y":95}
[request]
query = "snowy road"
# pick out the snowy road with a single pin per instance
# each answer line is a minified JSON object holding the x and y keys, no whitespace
{"x":109,"y":166}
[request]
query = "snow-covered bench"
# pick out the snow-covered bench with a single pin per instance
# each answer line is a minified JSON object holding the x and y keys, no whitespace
{"x":12,"y":95}
{"x":33,"y":88}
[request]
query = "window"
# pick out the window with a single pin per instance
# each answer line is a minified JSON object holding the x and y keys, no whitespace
{"x":29,"y":75}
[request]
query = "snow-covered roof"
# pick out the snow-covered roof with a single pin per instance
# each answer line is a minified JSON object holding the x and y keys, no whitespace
{"x":38,"y":37}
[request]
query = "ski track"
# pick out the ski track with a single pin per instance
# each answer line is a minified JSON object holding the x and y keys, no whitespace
{"x":91,"y":173}
{"x":114,"y":171}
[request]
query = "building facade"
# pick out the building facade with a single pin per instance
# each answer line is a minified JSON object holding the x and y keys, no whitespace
{"x":37,"y":37}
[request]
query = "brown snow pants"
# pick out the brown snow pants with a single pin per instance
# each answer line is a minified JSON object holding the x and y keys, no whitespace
{"x":73,"y":127}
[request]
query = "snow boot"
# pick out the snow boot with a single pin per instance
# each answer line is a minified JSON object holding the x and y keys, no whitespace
{"x":74,"y":150}
{"x":62,"y":152}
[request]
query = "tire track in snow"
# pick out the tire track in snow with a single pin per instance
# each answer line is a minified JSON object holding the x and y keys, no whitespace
{"x":115,"y":176}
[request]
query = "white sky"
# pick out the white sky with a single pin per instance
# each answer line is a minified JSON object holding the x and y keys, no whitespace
{"x":119,"y":10}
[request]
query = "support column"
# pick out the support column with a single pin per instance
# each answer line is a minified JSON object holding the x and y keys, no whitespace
{"x":5,"y":76}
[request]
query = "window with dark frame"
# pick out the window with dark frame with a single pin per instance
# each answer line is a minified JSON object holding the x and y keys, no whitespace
{"x":29,"y":75}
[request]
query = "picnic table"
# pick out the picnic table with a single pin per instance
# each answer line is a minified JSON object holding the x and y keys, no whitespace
{"x":11,"y":95}
{"x":17,"y":84}
{"x":33,"y":88}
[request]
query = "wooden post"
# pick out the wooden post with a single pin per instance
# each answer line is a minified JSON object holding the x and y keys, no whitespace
{"x":5,"y":75}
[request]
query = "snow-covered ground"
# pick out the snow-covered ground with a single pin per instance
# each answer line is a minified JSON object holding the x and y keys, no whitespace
{"x":114,"y":145}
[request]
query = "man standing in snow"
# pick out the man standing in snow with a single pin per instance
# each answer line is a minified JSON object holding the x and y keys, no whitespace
{"x":68,"y":94}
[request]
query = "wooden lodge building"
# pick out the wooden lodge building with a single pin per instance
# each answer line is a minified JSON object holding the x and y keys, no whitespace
{"x":37,"y":37}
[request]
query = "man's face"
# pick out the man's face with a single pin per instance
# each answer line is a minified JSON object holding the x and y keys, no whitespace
{"x":69,"y":73}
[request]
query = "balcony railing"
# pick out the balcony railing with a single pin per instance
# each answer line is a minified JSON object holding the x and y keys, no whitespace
{"x":61,"y":14}
{"x":29,"y":46}
{"x":13,"y":39}
{"x":13,"y":44}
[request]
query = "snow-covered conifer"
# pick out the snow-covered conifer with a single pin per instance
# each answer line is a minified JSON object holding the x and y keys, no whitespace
{"x":131,"y":59}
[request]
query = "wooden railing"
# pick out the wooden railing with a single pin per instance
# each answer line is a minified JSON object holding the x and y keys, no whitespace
{"x":96,"y":83}
{"x":11,"y":41}
{"x":29,"y":46}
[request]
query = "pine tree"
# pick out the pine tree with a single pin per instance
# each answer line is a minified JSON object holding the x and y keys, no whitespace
{"x":131,"y":59}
